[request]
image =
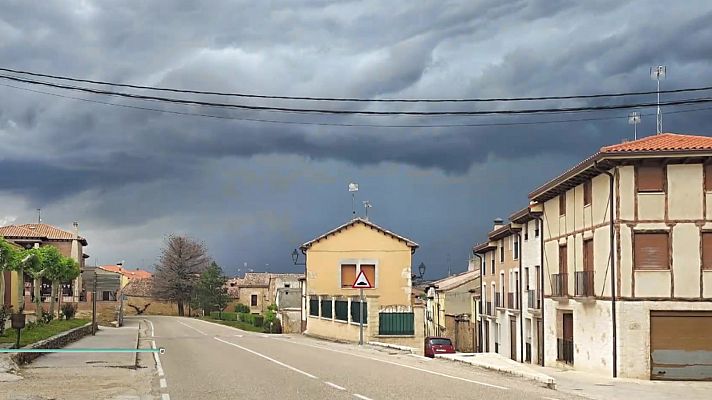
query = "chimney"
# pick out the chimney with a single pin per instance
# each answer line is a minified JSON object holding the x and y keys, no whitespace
{"x":498,"y":223}
{"x":75,"y":224}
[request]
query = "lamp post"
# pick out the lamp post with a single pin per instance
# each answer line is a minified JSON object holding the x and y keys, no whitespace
{"x":302,"y":310}
{"x":421,"y":272}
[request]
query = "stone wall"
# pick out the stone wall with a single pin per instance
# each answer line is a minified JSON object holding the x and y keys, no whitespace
{"x":55,"y":342}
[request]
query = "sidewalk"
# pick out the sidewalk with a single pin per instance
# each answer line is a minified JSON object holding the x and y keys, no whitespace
{"x":106,"y":338}
{"x":604,"y":388}
{"x":497,"y":362}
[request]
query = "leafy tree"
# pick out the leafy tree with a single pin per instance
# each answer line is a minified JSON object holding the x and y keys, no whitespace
{"x":62,"y":269}
{"x":178,"y":270}
{"x":8,"y":262}
{"x":48,"y":262}
{"x":27,"y":261}
{"x":211,"y":292}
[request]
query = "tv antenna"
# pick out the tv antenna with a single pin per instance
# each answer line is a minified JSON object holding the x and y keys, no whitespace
{"x":367,"y":205}
{"x":634,"y":119}
{"x":658,"y":73}
{"x":39,"y":215}
{"x":353,"y":188}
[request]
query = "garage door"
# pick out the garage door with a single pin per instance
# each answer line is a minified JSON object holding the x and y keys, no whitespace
{"x":681,"y":345}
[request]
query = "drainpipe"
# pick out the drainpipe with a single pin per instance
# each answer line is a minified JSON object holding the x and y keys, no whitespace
{"x":613,"y":268}
{"x":482,"y":304}
{"x":519,"y":299}
{"x":540,"y":221}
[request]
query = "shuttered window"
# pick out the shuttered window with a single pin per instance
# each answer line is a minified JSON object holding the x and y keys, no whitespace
{"x":562,"y":204}
{"x":651,"y":251}
{"x":348,"y":275}
{"x":563,"y":266}
{"x":708,"y":177}
{"x":707,"y":250}
{"x":588,"y":255}
{"x":587,"y":193}
{"x":370,"y":272}
{"x":651,"y":179}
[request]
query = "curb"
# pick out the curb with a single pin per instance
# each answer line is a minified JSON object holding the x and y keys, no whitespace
{"x":52,"y":342}
{"x":393,"y":346}
{"x":138,"y":334}
{"x":548,"y":381}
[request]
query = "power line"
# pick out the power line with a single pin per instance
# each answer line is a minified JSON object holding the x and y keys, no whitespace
{"x":559,"y":121}
{"x":353,"y":99}
{"x":359,"y":112}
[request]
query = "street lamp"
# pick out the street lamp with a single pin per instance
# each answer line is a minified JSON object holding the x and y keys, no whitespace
{"x":421,"y":272}
{"x":295,"y":258}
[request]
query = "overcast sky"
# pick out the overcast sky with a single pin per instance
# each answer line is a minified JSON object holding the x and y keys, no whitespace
{"x":252,"y":190}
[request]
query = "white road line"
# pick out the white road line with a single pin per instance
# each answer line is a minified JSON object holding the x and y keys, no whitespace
{"x":165,"y":396}
{"x":153,"y":329}
{"x":335,"y":386}
{"x":159,"y":367}
{"x":362,"y":397}
{"x":550,"y":398}
{"x":195,"y":329}
{"x":400,"y":365}
{"x":267,"y":358}
{"x":238,"y":335}
{"x":163,"y":383}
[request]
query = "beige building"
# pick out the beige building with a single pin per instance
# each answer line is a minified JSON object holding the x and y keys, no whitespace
{"x":635,"y":217}
{"x":335,"y":259}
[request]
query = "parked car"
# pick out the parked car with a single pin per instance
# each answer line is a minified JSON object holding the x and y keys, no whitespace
{"x":437,"y":345}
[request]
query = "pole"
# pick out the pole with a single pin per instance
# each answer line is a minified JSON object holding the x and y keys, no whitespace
{"x":93,"y":307}
{"x":659,"y":122}
{"x":353,"y":204}
{"x":360,"y":317}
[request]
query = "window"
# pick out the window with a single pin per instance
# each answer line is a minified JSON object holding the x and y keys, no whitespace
{"x":501,"y":251}
{"x":651,"y":178}
{"x":708,"y":177}
{"x":348,"y":275}
{"x":562,"y":204}
{"x":526,"y":278}
{"x":526,"y":231}
{"x":707,"y":250}
{"x":516,"y":247}
{"x":536,"y":228}
{"x":253,"y":300}
{"x":370,"y":271}
{"x":492,"y":263}
{"x":106,"y":295}
{"x":588,"y":255}
{"x":587,"y":193}
{"x":287,"y":285}
{"x":651,"y":251}
{"x":563,"y":266}
{"x":483,"y":265}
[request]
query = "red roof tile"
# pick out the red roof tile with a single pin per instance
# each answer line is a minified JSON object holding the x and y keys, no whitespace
{"x":662,"y":142}
{"x":131,"y":274}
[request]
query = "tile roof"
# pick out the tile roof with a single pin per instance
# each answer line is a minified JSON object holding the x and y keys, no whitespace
{"x":662,"y":142}
{"x":18,"y":231}
{"x":454,"y":281}
{"x":39,"y":231}
{"x":131,"y":274}
{"x":139,"y":288}
{"x":366,"y":222}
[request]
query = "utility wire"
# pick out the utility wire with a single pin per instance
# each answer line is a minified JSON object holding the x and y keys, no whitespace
{"x":335,"y":124}
{"x":354,"y":99}
{"x":360,"y":112}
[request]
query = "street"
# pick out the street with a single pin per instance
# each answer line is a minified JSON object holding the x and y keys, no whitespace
{"x":210,"y":361}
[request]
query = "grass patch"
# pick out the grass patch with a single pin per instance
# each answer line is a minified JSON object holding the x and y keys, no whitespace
{"x":41,"y":332}
{"x":245,"y":326}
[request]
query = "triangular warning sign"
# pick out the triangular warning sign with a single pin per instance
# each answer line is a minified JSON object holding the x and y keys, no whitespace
{"x":362,"y":282}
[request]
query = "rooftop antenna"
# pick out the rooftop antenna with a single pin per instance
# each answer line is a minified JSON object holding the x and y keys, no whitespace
{"x":634,"y":119}
{"x":658,"y":73}
{"x":353,"y":188}
{"x":39,"y":215}
{"x":367,"y":205}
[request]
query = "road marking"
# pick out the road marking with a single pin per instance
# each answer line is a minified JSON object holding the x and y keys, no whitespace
{"x":153,"y":329}
{"x":165,"y":396}
{"x":362,"y":397}
{"x":238,"y":335}
{"x":195,"y":329}
{"x":267,"y":358}
{"x":400,"y":365}
{"x":335,"y":386}
{"x":159,"y":367}
{"x":163,"y":383}
{"x":550,"y":398}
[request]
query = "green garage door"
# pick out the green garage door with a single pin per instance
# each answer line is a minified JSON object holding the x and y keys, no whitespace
{"x":680,"y":345}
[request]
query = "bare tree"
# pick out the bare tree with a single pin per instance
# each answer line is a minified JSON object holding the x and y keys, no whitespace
{"x":178,"y":270}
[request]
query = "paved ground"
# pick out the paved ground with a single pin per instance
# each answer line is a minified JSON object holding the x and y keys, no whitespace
{"x":209,"y":361}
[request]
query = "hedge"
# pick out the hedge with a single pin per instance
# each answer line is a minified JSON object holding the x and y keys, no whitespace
{"x":225,"y":315}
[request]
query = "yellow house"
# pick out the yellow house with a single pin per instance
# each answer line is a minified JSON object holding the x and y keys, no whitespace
{"x":335,"y":259}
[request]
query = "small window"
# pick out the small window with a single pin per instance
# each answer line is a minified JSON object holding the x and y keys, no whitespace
{"x":651,"y":179}
{"x":651,"y":251}
{"x":501,"y":252}
{"x":707,"y":250}
{"x":708,"y":177}
{"x":253,"y":300}
{"x":588,"y":255}
{"x":562,"y":204}
{"x":526,"y":231}
{"x":348,"y":275}
{"x":563,"y":266}
{"x":493,"y":263}
{"x":287,"y":285}
{"x":587,"y":193}
{"x":516,"y":247}
{"x":370,"y":271}
{"x":536,"y":228}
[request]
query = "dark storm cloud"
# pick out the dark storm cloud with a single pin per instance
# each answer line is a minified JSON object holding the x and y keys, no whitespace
{"x":138,"y":174}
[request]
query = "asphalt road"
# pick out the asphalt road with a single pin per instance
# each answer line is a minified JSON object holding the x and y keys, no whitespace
{"x":209,"y":361}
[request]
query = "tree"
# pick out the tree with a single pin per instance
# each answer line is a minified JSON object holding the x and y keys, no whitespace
{"x":51,"y":264}
{"x":8,"y":262}
{"x":62,"y":269}
{"x":178,"y":270}
{"x":211,"y":292}
{"x":27,"y":261}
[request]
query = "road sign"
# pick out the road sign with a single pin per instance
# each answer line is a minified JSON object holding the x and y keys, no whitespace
{"x":362,"y":282}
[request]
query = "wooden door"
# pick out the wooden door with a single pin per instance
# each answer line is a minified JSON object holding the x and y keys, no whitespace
{"x":513,"y":338}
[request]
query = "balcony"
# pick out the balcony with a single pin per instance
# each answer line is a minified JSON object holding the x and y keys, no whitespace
{"x":498,"y":300}
{"x":565,"y":350}
{"x":560,"y":285}
{"x":533,"y":300}
{"x":584,"y":285}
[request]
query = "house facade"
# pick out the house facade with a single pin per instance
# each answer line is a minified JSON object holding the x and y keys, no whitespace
{"x":631,"y":225}
{"x":335,"y":259}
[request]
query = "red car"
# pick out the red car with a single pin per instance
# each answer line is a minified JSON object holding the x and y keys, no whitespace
{"x":437,"y":345}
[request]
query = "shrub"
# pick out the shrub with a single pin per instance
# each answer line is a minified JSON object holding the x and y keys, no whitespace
{"x":241,"y":308}
{"x":5,"y":311}
{"x":247,"y":317}
{"x":272,"y":326}
{"x":215,"y":314}
{"x":69,"y":310}
{"x":229,"y":316}
{"x":258,"y":320}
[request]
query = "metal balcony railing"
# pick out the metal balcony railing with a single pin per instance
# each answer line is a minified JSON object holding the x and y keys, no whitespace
{"x":584,"y":284}
{"x":565,"y":350}
{"x":560,"y":285}
{"x":533,"y":299}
